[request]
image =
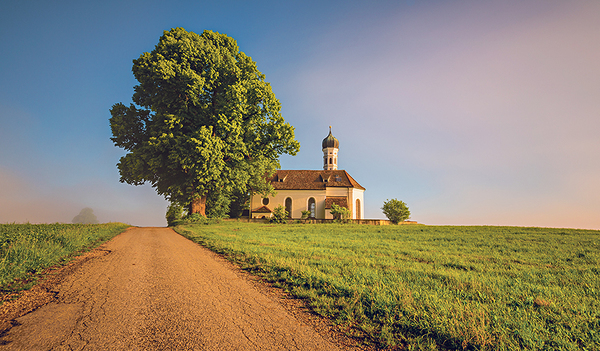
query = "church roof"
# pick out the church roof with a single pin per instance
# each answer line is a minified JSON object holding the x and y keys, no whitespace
{"x":312,"y":180}
{"x":331,"y":141}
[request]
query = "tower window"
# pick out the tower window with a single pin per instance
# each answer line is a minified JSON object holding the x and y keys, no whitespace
{"x":265,"y":201}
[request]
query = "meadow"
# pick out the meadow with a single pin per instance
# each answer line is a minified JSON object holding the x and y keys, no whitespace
{"x":430,"y":287}
{"x":27,"y":249}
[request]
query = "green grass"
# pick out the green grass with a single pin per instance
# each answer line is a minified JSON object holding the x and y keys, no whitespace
{"x":431,"y":287}
{"x":27,"y":249}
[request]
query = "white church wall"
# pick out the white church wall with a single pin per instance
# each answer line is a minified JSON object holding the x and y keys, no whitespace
{"x":358,"y":194}
{"x":299,"y":201}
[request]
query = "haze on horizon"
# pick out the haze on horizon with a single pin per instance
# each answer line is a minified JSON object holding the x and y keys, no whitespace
{"x":470,"y":112}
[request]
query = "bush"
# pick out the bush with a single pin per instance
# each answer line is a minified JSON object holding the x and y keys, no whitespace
{"x":340,"y":213}
{"x":196,"y":218}
{"x":396,"y":211}
{"x":174,"y":213}
{"x":280,"y":215}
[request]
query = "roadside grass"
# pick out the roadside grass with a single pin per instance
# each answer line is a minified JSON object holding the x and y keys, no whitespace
{"x":419,"y":287}
{"x":27,"y":249}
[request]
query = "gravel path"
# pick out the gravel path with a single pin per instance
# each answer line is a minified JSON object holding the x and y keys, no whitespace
{"x":152,"y":289}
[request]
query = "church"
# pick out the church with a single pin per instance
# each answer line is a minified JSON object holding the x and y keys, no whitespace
{"x":313,"y":190}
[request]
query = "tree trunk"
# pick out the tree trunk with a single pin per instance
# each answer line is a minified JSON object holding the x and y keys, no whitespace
{"x":198,"y":205}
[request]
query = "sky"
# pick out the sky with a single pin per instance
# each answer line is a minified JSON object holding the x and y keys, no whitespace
{"x":471,"y":112}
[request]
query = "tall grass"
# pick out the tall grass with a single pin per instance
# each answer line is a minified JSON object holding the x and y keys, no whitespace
{"x":30,"y":248}
{"x":432,"y":287}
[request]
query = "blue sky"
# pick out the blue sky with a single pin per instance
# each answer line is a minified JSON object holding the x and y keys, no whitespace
{"x":472,"y":112}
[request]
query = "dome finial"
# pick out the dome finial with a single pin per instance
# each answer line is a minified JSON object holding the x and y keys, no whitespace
{"x":330,"y":141}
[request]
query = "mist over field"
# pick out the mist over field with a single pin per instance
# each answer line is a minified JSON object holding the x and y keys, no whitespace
{"x":25,"y":201}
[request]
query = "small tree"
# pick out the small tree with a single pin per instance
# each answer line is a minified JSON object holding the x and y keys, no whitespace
{"x":280,"y":215}
{"x":339,"y":213}
{"x":86,"y":216}
{"x":305,"y":214}
{"x":396,"y":211}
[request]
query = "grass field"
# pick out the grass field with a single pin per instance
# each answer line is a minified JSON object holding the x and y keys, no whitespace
{"x":26,"y":249}
{"x":431,"y":287}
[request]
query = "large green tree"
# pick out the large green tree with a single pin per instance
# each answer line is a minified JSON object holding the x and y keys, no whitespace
{"x":204,"y":123}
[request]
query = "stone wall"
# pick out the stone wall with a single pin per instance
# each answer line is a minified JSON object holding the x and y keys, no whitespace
{"x":316,"y":221}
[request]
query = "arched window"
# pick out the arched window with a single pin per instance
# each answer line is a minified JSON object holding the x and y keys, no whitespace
{"x":330,"y":162}
{"x":288,"y":206}
{"x":312,"y":207}
{"x":358,"y":209}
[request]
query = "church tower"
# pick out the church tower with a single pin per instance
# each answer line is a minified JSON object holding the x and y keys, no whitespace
{"x":330,"y":152}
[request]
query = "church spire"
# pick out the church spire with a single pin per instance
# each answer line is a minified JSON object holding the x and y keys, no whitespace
{"x":330,"y":150}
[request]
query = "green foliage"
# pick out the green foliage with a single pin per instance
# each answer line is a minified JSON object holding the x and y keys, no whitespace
{"x":396,"y":211}
{"x":217,"y":204}
{"x":174,"y":213}
{"x":196,"y":218}
{"x":86,"y":216}
{"x":26,"y":249}
{"x":280,"y":215}
{"x":340,"y":213}
{"x":204,"y":122}
{"x":431,"y":287}
{"x":239,"y":203}
{"x":305,"y":214}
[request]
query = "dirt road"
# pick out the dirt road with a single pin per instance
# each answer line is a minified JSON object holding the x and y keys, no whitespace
{"x":155,"y":290}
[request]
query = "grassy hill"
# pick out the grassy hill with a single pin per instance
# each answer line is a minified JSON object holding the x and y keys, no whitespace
{"x":431,"y":287}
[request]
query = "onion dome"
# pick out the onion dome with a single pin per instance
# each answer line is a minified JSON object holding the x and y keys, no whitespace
{"x":331,"y":141}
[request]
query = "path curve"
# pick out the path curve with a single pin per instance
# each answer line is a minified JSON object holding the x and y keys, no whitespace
{"x":155,"y":290}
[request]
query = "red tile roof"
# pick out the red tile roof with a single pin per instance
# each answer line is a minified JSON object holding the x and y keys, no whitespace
{"x":338,"y":200}
{"x":312,"y":180}
{"x":263,"y":209}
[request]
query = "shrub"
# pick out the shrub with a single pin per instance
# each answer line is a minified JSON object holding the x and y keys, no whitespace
{"x":174,"y":213}
{"x":196,"y":218}
{"x":280,"y":215}
{"x":396,"y":211}
{"x":340,"y":213}
{"x":305,"y":214}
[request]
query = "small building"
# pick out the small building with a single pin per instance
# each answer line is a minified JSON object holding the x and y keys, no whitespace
{"x":313,"y":190}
